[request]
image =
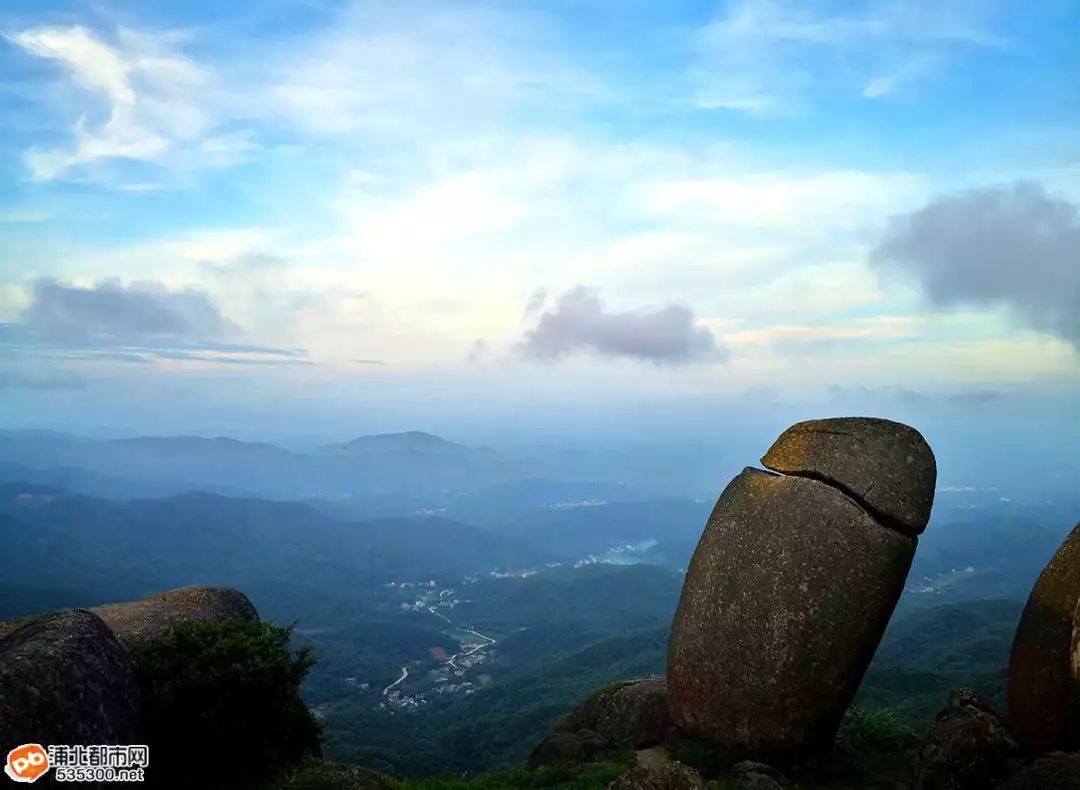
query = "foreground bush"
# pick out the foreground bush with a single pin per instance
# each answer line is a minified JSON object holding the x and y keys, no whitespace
{"x":221,"y":703}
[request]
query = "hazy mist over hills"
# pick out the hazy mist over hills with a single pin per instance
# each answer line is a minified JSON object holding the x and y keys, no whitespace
{"x":554,"y":569}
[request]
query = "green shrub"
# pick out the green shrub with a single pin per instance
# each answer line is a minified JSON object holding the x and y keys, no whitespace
{"x":221,"y":705}
{"x":876,"y":745}
{"x":879,"y":732}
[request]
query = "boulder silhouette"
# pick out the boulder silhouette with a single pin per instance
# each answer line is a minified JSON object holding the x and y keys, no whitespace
{"x":148,"y":617}
{"x":1044,"y":666}
{"x":792,"y":584}
{"x":65,"y":679}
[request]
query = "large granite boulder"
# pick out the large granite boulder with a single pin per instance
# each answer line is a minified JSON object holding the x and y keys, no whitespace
{"x":667,"y":776}
{"x":887,"y":466}
{"x":788,"y":594}
{"x":65,"y":679}
{"x":634,"y":713}
{"x":148,"y":617}
{"x":1044,"y":710}
{"x":967,"y":748}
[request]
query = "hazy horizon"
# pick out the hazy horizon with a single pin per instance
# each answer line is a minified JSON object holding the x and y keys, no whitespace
{"x":539,"y":221}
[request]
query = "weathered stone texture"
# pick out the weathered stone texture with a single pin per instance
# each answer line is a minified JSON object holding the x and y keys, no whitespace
{"x":885,"y":465}
{"x":967,"y":748}
{"x":150,"y":616}
{"x":65,"y":679}
{"x":634,"y":713}
{"x":785,"y":600}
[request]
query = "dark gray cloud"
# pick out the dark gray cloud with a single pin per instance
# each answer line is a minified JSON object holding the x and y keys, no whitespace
{"x":1014,"y":246}
{"x":137,"y":324}
{"x":139,"y":310}
{"x":578,"y":321}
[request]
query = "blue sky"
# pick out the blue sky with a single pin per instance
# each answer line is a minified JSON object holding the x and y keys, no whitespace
{"x":351,"y":206}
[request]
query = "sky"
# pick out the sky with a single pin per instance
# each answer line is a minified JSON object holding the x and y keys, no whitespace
{"x":314,"y":216}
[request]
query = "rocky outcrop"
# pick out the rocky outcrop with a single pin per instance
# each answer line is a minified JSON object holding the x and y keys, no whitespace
{"x":968,"y":748}
{"x":668,"y":776}
{"x":65,"y":679}
{"x":571,"y":748}
{"x":1057,"y":771}
{"x":148,"y":617}
{"x":793,"y":582}
{"x":633,"y":713}
{"x":1044,"y":667}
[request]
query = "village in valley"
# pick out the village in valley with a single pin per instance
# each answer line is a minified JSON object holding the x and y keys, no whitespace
{"x":466,"y":670}
{"x":455,"y":674}
{"x":462,"y":660}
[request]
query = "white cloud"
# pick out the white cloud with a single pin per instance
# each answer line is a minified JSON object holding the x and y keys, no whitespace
{"x":819,"y":203}
{"x":420,"y":73}
{"x":770,"y":57}
{"x":873,"y":329}
{"x":453,"y":256}
{"x":880,"y":86}
{"x":157,"y":103}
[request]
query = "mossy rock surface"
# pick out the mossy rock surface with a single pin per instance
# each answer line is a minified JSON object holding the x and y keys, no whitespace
{"x":65,"y":679}
{"x":137,"y":621}
{"x":633,"y":713}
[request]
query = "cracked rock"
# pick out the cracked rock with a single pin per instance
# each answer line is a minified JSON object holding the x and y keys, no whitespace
{"x":885,"y":465}
{"x":787,"y":596}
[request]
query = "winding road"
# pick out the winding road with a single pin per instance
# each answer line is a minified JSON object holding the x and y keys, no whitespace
{"x":404,"y":674}
{"x":476,"y":649}
{"x":450,"y":661}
